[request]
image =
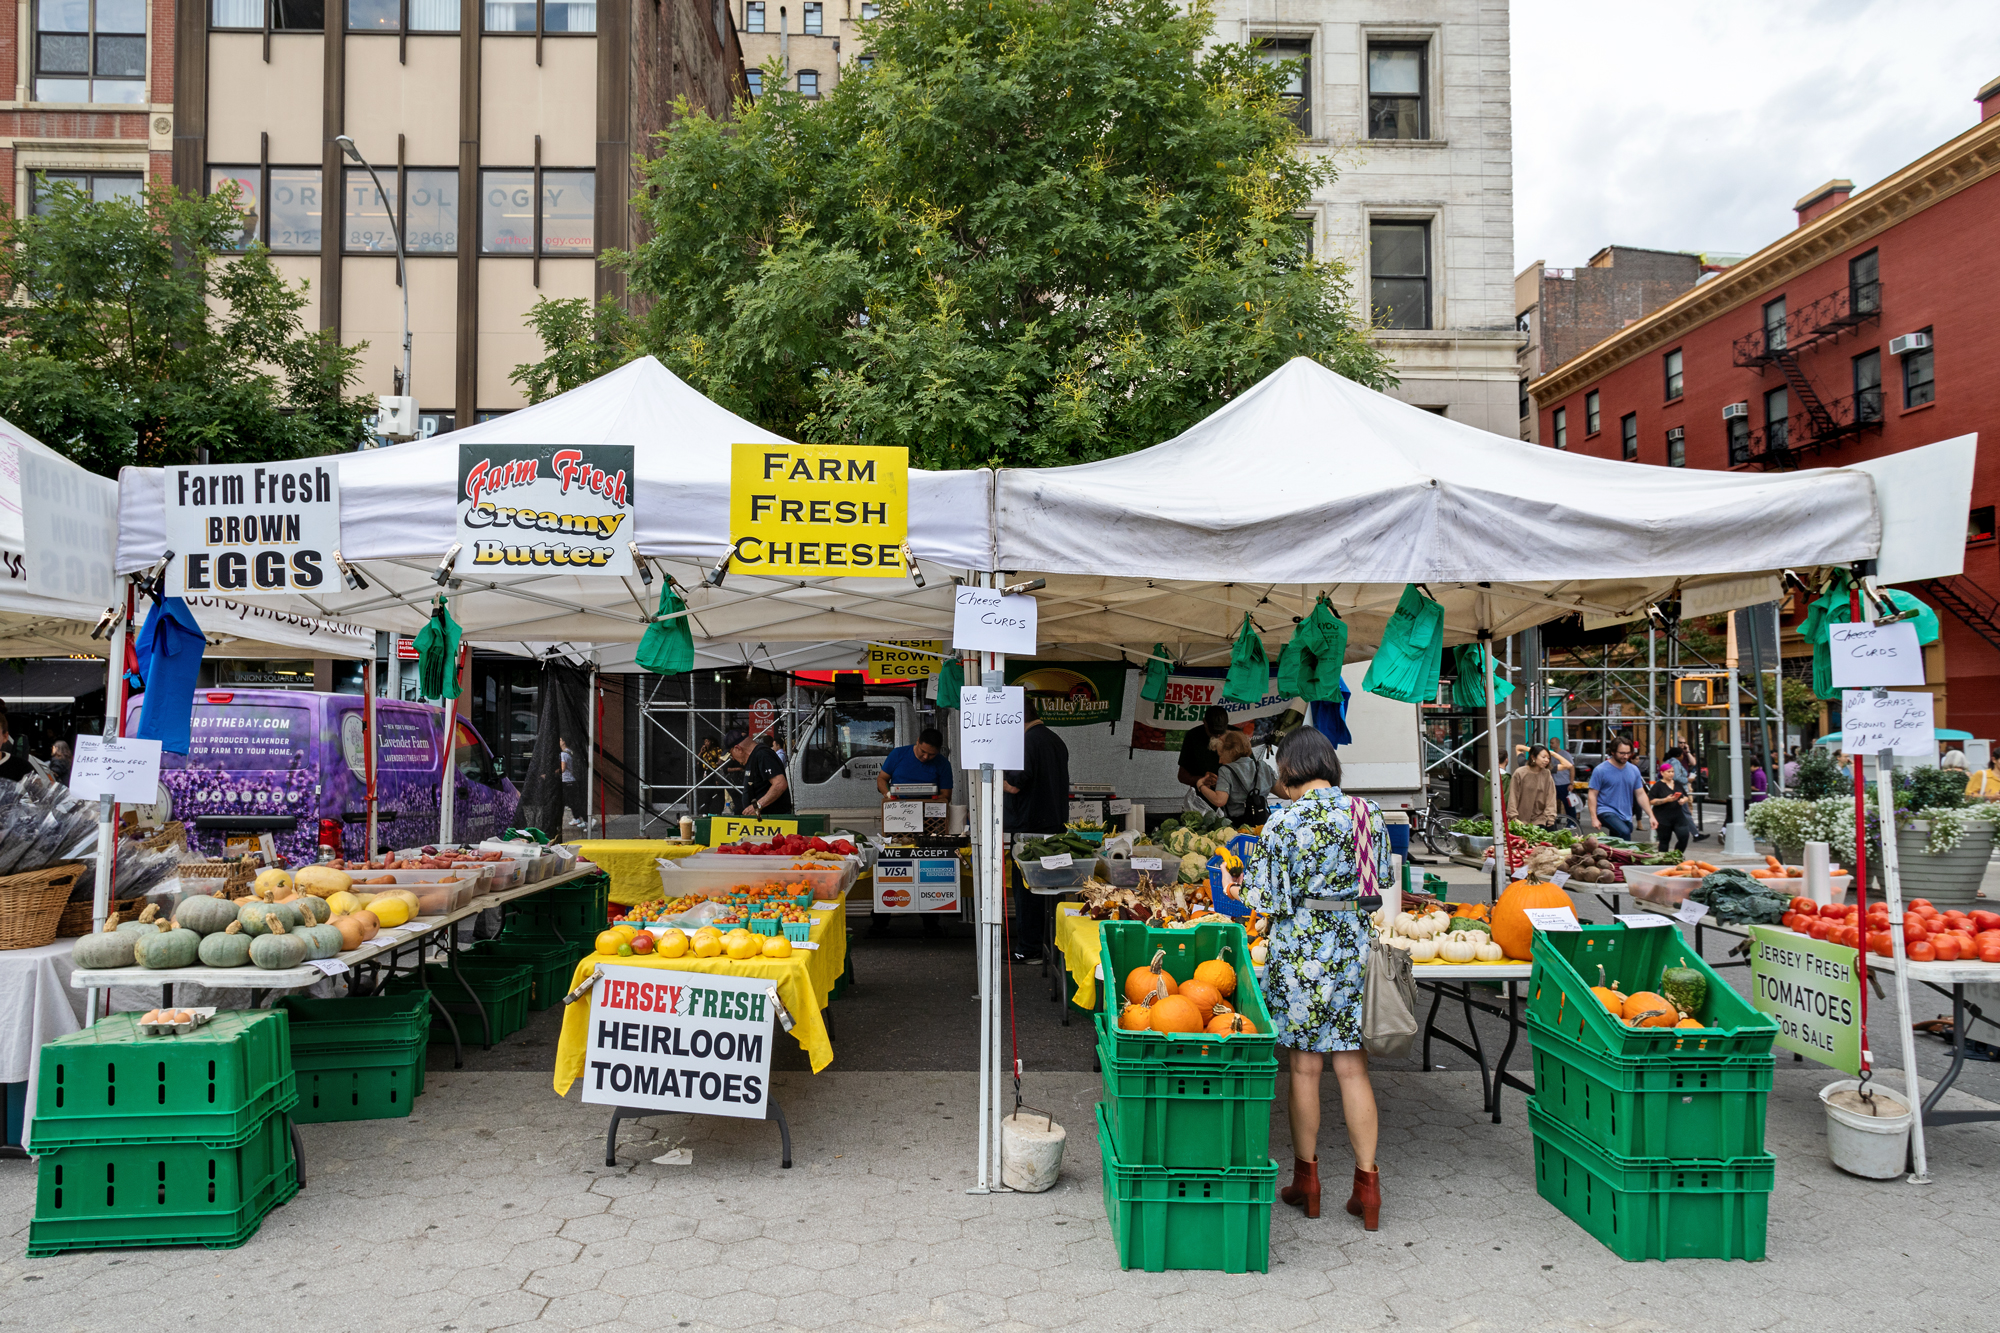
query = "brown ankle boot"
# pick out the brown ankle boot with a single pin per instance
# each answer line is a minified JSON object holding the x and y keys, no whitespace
{"x":1366,"y":1201}
{"x":1304,"y":1188}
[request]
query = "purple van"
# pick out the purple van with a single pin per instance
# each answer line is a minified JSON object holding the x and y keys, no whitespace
{"x":291,"y":762}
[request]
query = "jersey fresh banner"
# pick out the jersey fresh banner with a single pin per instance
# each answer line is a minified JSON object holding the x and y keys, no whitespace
{"x":679,"y":1041}
{"x":1073,"y":694}
{"x":819,"y":509}
{"x":1812,"y":989}
{"x":251,"y":528}
{"x":1187,"y":698}
{"x":539,"y":509}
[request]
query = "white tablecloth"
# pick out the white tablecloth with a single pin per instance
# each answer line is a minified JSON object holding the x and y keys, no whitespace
{"x":36,"y":1006}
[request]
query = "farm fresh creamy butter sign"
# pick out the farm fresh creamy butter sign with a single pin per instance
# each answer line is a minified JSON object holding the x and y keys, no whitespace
{"x":246,"y":529}
{"x":539,"y":509}
{"x":819,"y":509}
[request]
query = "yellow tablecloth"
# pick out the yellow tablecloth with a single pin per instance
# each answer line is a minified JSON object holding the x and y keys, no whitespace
{"x":633,"y":864}
{"x":1079,"y":942}
{"x":805,"y":980}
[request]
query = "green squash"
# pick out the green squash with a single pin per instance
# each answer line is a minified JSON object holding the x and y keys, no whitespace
{"x":312,"y":911}
{"x":1686,"y":987}
{"x":322,"y":941}
{"x":279,"y":948}
{"x":142,"y":923}
{"x":1471,"y":923}
{"x":167,"y":947}
{"x":110,"y":947}
{"x":205,"y":914}
{"x":258,"y":916}
{"x":229,"y":947}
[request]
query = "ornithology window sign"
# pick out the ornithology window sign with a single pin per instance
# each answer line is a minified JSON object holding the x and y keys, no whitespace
{"x":252,"y":529}
{"x":538,"y":509}
{"x":819,"y":509}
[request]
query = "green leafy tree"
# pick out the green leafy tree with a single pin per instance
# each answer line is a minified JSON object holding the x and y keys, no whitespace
{"x":132,"y":337}
{"x":1035,"y":232}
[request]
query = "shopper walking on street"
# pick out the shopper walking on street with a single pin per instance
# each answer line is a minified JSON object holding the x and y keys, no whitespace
{"x":1614,"y":785}
{"x":1242,"y":773}
{"x":1306,"y":873}
{"x":1531,"y":791}
{"x":1670,"y":799}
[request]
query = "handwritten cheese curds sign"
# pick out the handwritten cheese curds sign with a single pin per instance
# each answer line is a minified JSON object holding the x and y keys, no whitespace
{"x":539,"y":509}
{"x":819,"y":509}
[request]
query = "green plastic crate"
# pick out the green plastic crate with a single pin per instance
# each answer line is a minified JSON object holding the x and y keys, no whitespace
{"x":501,"y":986}
{"x":551,"y":961}
{"x":1130,"y":944}
{"x":359,"y":1058}
{"x":1165,"y":1219}
{"x":574,"y":912}
{"x":1186,"y":1118}
{"x":125,"y":1195}
{"x":1648,"y":1107}
{"x":1650,"y":1208}
{"x":1566,"y":964}
{"x":214,"y":1085}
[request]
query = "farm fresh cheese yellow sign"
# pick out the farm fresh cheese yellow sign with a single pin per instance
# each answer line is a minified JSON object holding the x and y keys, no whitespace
{"x":819,"y":509}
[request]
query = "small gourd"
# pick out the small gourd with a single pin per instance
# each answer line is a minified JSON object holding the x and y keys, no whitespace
{"x":257,"y":916}
{"x":350,"y":931}
{"x":228,"y":947}
{"x":322,"y":941}
{"x":278,"y":949}
{"x":109,"y":947}
{"x":340,"y":904}
{"x":205,"y":915}
{"x":143,"y":923}
{"x":1457,"y":948}
{"x":313,"y":911}
{"x":169,"y":946}
{"x":270,"y":883}
{"x":1489,"y":952}
{"x":1423,"y":951}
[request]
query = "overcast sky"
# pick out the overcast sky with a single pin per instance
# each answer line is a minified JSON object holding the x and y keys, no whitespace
{"x":1697,"y":125}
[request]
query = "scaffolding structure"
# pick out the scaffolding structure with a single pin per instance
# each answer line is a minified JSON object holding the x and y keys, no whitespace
{"x":681,"y":729}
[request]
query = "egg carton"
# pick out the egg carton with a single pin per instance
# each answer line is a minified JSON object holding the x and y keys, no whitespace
{"x":197,"y":1017}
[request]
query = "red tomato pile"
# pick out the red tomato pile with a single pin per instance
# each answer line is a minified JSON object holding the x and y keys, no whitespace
{"x":791,"y":844}
{"x":1928,"y":934}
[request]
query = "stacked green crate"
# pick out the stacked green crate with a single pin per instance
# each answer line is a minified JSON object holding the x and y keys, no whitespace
{"x":162,"y":1140}
{"x":1185,"y":1125}
{"x":358,"y":1058}
{"x":500,"y":985}
{"x":1650,"y":1138}
{"x":574,"y":912}
{"x":551,"y":962}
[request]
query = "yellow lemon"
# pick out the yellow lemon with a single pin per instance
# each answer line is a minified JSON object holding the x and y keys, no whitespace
{"x":628,"y":931}
{"x":777,"y":946}
{"x":608,"y":941}
{"x":707,"y":946}
{"x":672,"y":944}
{"x":744,"y":946}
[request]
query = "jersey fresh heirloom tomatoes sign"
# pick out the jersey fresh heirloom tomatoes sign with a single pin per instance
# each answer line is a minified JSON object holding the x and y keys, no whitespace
{"x":542,"y":509}
{"x":819,"y":509}
{"x":679,"y":1041}
{"x":249,"y":528}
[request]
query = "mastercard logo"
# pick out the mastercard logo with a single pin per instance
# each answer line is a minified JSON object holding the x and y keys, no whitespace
{"x":895,"y":897}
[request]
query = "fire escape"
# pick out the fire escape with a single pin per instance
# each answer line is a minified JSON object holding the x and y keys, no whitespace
{"x":1970,"y":603}
{"x":1818,"y":423}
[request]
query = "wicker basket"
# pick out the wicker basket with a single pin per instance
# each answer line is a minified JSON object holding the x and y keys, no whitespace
{"x":217,"y":877}
{"x":76,"y":915}
{"x":32,"y":904}
{"x":173,"y":835}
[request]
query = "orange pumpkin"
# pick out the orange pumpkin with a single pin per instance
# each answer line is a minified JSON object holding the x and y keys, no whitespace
{"x":1227,"y":1023}
{"x":1690,"y":1023}
{"x":1135,"y":1018}
{"x":1511,"y":928}
{"x":1476,"y":911}
{"x":1610,"y":997}
{"x":1176,"y":1013}
{"x":1218,"y":974}
{"x":1140,"y":981}
{"x":1201,"y":995}
{"x":1648,"y":1009}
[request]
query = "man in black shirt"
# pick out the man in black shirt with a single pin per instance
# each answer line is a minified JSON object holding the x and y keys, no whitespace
{"x":1037,"y":802}
{"x":753,"y":763}
{"x":1198,"y":747}
{"x":13,"y":761}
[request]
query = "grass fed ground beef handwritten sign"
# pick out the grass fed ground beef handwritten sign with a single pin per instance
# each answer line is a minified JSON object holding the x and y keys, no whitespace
{"x":244,"y":529}
{"x":819,"y":509}
{"x":679,"y":1041}
{"x":541,"y":509}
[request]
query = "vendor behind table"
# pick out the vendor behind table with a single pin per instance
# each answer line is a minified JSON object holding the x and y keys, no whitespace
{"x":915,"y":765}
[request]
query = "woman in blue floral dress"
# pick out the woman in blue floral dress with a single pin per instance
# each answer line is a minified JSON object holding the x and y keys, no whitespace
{"x":1306,"y":875}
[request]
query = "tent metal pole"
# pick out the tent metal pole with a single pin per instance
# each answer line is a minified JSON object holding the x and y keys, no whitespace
{"x":1735,"y":838}
{"x":372,"y":748}
{"x":1503,"y":869}
{"x":590,"y":709}
{"x":107,"y":809}
{"x":1892,"y":892}
{"x":394,"y":689}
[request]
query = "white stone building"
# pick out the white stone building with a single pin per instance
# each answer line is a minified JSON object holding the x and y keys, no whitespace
{"x":1411,"y":99}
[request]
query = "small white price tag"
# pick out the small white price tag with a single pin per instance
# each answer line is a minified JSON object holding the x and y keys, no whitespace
{"x":1560,"y":878}
{"x":1692,"y":911}
{"x":1643,"y":920}
{"x":824,"y":907}
{"x":1147,"y":863}
{"x":333,"y":967}
{"x":1121,"y":806}
{"x":805,"y":944}
{"x":1553,"y":918}
{"x":1060,"y":861}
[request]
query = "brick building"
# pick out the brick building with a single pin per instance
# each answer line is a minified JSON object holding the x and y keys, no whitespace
{"x":1562,"y":312}
{"x":1865,"y":331}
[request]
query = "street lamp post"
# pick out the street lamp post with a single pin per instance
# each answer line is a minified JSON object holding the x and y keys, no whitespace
{"x":402,"y":271}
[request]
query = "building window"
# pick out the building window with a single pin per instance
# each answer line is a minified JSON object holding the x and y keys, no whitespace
{"x":755,"y":78}
{"x":1397,"y":76}
{"x":1777,"y":429}
{"x":1561,"y":419}
{"x":90,"y":51}
{"x":866,"y":60}
{"x":1774,"y":325}
{"x":1677,"y":453}
{"x":429,"y":221}
{"x":1979,"y":527}
{"x":1590,"y":417}
{"x":870,"y":10}
{"x":510,"y":216}
{"x":1918,"y":385}
{"x":541,"y":17}
{"x":753,"y":16}
{"x":1628,"y":436}
{"x":1864,"y":284}
{"x":1527,"y":405}
{"x":809,"y":83}
{"x":281,"y":206}
{"x":1295,"y":54}
{"x":286,"y":15}
{"x":1673,"y":374}
{"x":387,"y":15}
{"x":815,"y":19}
{"x":1868,"y":386}
{"x":1739,"y":441}
{"x":1399,"y":274}
{"x":96,"y":186}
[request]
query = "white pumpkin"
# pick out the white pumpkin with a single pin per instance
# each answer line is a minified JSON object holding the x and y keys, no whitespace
{"x":1423,"y":951}
{"x":1457,"y":949}
{"x":1488,"y":952}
